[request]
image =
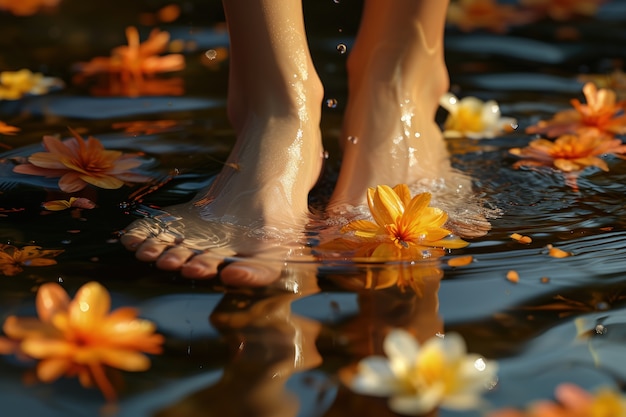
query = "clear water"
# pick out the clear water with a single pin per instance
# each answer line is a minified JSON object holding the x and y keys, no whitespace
{"x":275,"y":353}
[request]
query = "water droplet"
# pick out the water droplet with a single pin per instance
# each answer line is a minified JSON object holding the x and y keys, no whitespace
{"x":331,"y":102}
{"x":353,"y":139}
{"x":342,"y":48}
{"x":66,"y":241}
{"x":211,"y":54}
{"x":336,"y":1}
{"x":60,"y":280}
{"x":325,"y":155}
{"x":600,"y":329}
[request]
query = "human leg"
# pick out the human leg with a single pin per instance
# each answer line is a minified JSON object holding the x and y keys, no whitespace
{"x":396,"y":75}
{"x":274,"y":104}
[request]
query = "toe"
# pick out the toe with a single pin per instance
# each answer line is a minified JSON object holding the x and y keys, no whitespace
{"x":132,"y":242}
{"x":250,"y":274}
{"x":174,"y":258}
{"x":201,"y":266}
{"x":151,"y":249}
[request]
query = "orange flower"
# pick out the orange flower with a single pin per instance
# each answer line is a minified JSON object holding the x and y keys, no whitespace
{"x":137,"y":59}
{"x":6,"y":129}
{"x":573,"y":401}
{"x":602,"y":112}
{"x":79,"y":162}
{"x":570,"y":153}
{"x":470,"y":15}
{"x":80,"y":336}
{"x":12,"y":259}
{"x":26,"y":7}
{"x":403,"y":227}
{"x":58,"y":205}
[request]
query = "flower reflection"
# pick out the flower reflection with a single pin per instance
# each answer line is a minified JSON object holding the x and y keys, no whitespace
{"x":80,"y":162}
{"x":473,"y":118}
{"x":469,"y":15}
{"x":602,"y":112}
{"x":147,"y":127}
{"x":573,"y":401}
{"x":16,"y":84}
{"x":14,"y":259}
{"x":419,"y":378}
{"x":570,"y":152}
{"x":79,"y":337}
{"x":403,"y":227}
{"x":6,"y":129}
{"x":26,"y":7}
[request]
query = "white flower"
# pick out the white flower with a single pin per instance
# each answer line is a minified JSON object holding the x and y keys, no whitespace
{"x":472,"y":118}
{"x":419,"y":378}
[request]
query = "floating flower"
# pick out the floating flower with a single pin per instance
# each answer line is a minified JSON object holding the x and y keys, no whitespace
{"x":81,"y":336}
{"x":76,"y":202}
{"x":16,"y":84}
{"x":136,"y":59}
{"x":13,"y":259}
{"x":403,"y":227}
{"x":26,"y":7}
{"x":570,"y":152}
{"x":419,"y":378}
{"x":573,"y":401}
{"x":6,"y":129}
{"x":563,"y":9}
{"x":602,"y":112}
{"x":615,"y":81}
{"x":469,"y":15}
{"x":472,"y":118}
{"x":78,"y":163}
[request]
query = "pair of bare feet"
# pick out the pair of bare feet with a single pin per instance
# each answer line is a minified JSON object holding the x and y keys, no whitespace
{"x":396,"y":75}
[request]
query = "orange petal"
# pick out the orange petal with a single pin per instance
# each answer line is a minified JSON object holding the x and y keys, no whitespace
{"x":385,"y":205}
{"x":56,"y":205}
{"x":51,"y":299}
{"x":460,"y":261}
{"x":512,"y":276}
{"x":106,"y":182}
{"x":125,"y":360}
{"x":557,"y":253}
{"x":402,"y":190}
{"x":51,"y":369}
{"x":362,"y":228}
{"x":89,"y":307}
{"x":71,"y":182}
{"x":40,"y":348}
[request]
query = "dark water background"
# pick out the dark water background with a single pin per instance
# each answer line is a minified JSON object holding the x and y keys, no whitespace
{"x":276,"y":353}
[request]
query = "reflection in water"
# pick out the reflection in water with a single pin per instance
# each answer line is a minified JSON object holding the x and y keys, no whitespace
{"x":268,"y":344}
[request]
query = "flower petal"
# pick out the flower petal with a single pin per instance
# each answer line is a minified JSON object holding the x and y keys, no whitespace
{"x":89,"y":307}
{"x":401,"y":348}
{"x":51,"y":299}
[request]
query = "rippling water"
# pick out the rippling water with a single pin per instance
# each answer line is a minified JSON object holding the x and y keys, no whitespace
{"x":277,"y":352}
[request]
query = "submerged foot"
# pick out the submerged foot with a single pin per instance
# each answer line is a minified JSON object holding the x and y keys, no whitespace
{"x":255,"y":211}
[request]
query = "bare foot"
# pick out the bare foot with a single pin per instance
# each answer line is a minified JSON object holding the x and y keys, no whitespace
{"x":257,"y":206}
{"x":396,"y":75}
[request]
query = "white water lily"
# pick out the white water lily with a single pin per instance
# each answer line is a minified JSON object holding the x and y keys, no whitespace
{"x":473,"y":118}
{"x":420,"y":378}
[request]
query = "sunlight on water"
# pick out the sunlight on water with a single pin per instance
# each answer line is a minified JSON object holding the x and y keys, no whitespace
{"x":282,"y":350}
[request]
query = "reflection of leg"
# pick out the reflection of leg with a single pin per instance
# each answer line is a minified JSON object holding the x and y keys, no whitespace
{"x":396,"y":75}
{"x":274,"y":105}
{"x":269,"y":344}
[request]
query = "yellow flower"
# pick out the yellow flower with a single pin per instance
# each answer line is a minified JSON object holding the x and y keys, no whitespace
{"x":419,"y":378}
{"x":403,"y":227}
{"x":79,"y":162}
{"x":472,"y":118}
{"x":602,"y":112}
{"x":6,"y":129}
{"x":80,"y":336}
{"x":58,"y":205}
{"x":12,"y":259}
{"x":573,"y":401}
{"x":15,"y":84}
{"x":570,"y":152}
